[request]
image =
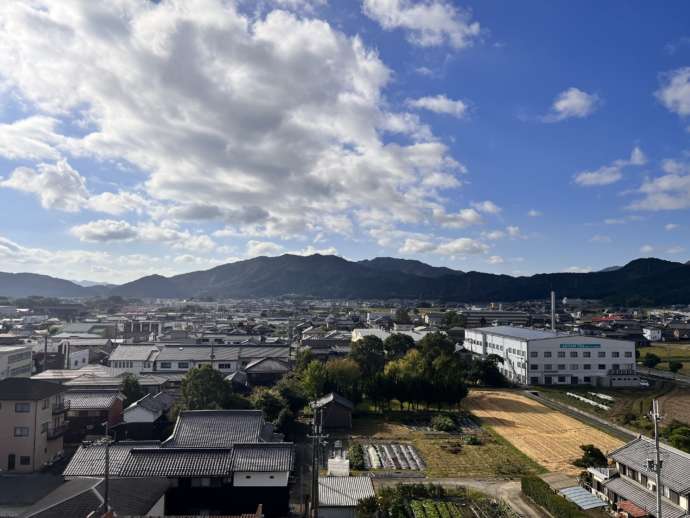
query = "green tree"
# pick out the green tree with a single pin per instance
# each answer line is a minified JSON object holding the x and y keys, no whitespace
{"x":435,"y":344}
{"x":204,"y":388}
{"x":131,"y":389}
{"x":303,"y":358}
{"x":675,"y":366}
{"x":402,"y":316}
{"x":314,"y":379}
{"x":651,"y":360}
{"x":367,"y":507}
{"x":342,"y":375}
{"x":290,"y":388}
{"x":369,"y":355}
{"x":269,"y":401}
{"x":397,"y":344}
{"x":592,"y":457}
{"x":678,"y":435}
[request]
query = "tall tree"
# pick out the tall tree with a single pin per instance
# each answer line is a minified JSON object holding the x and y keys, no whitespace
{"x":343,"y":376}
{"x":369,"y":355}
{"x":314,"y":379}
{"x":131,"y":389}
{"x":269,"y":401}
{"x":396,"y":345}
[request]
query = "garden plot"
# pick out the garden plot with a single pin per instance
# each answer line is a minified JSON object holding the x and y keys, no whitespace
{"x":392,"y":456}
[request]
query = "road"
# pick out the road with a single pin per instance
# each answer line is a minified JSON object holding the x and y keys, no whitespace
{"x":666,"y":375}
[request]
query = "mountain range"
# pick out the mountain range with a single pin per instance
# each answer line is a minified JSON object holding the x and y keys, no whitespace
{"x":642,"y":281}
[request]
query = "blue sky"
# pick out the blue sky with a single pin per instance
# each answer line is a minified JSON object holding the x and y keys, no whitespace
{"x":509,"y":137}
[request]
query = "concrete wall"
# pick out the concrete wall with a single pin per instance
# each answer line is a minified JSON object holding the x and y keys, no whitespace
{"x":280,"y":479}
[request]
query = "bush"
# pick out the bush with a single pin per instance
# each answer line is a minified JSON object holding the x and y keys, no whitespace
{"x":443,"y":423}
{"x":356,"y":456}
{"x":540,"y":492}
{"x":473,"y":440}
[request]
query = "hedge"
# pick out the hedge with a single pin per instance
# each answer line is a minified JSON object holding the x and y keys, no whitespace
{"x":356,"y":456}
{"x":540,"y":492}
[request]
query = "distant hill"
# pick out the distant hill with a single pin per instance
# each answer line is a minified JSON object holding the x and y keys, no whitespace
{"x":642,"y":281}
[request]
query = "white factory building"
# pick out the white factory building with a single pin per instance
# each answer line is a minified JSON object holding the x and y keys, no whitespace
{"x":537,"y":357}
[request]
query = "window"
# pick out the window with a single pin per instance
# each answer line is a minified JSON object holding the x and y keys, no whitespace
{"x":673,"y":496}
{"x":533,"y":367}
{"x":615,"y":366}
{"x":534,"y":354}
{"x":628,"y":354}
{"x":44,"y":427}
{"x":24,"y":460}
{"x":561,"y":379}
{"x":225,"y":366}
{"x":22,"y":408}
{"x":547,"y":354}
{"x":165,"y":365}
{"x":561,"y":366}
{"x":21,"y":431}
{"x":573,"y":354}
{"x":615,"y":354}
{"x":601,"y":354}
{"x":561,"y":354}
{"x":534,"y":380}
{"x":587,"y":366}
{"x":643,"y":479}
{"x":587,"y":379}
{"x":44,"y":403}
{"x":601,"y":367}
{"x":574,"y":366}
{"x":183,"y":365}
{"x":586,"y":354}
{"x":548,"y":366}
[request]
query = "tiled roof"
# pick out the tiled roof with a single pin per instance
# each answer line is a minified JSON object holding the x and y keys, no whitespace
{"x":643,"y":499}
{"x":264,"y":457}
{"x":265,"y":352}
{"x":178,"y":462}
{"x":89,"y":461}
{"x":216,"y":428}
{"x":26,"y":389}
{"x":676,"y":467}
{"x":328,"y":398}
{"x":191,"y":353}
{"x":134,"y":353}
{"x":267,"y":365}
{"x":96,"y":400}
{"x":344,"y":491}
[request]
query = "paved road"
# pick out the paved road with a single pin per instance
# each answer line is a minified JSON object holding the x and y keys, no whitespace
{"x":666,"y":375}
{"x":507,"y":490}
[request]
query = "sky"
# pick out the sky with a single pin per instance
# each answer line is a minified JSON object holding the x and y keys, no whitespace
{"x":141,"y":137}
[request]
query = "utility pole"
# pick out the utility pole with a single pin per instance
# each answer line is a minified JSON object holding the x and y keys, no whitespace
{"x":45,"y":351}
{"x":316,"y":437}
{"x":106,"y":492}
{"x":656,"y":464}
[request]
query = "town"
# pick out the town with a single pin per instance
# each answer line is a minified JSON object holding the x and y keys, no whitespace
{"x":283,"y":407}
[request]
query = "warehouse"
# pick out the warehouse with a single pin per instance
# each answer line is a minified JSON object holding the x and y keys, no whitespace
{"x":538,"y":357}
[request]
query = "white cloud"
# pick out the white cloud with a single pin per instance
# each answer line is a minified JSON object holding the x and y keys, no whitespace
{"x":670,"y":191}
{"x":646,"y":249}
{"x":533,"y":213}
{"x":105,"y":230}
{"x":671,"y":226}
{"x":487,"y":206}
{"x":599,"y":238}
{"x":494,"y":235}
{"x":513,"y":231}
{"x":674,"y":93}
{"x":417,"y":246}
{"x":612,"y":173}
{"x":275,"y":124}
{"x":579,"y":269}
{"x":311,"y":250}
{"x":572,"y":103}
{"x":259,"y":248}
{"x":675,"y":250}
{"x":427,"y":22}
{"x":495,"y":259}
{"x":440,"y":104}
{"x":462,"y":246}
{"x":461,"y":219}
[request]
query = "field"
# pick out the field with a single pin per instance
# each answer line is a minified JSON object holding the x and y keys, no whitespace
{"x":670,"y":352}
{"x":495,"y":457}
{"x":549,"y":437}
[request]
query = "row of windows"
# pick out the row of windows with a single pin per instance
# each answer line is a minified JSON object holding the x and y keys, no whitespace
{"x":574,"y":380}
{"x":585,"y":366}
{"x":20,"y":371}
{"x":17,"y":357}
{"x":648,"y":484}
{"x":585,"y":354}
{"x":129,"y":364}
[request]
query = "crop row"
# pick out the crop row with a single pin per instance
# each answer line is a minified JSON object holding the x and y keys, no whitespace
{"x":433,"y":509}
{"x":392,"y":456}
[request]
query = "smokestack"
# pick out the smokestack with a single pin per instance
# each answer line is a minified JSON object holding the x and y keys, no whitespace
{"x":553,"y":310}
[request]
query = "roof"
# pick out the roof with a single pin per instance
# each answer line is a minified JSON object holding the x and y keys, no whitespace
{"x":278,"y":456}
{"x":134,"y":353}
{"x":582,"y":498}
{"x":26,"y":389}
{"x":676,"y":471}
{"x":178,"y":462}
{"x":523,"y":333}
{"x":216,"y":428}
{"x":642,"y":498}
{"x":89,"y":460}
{"x":333,"y":397}
{"x":344,"y":491}
{"x":6,"y":349}
{"x":195,"y":352}
{"x":158,"y":403}
{"x":267,"y":365}
{"x":95,"y":400}
{"x":79,"y":497}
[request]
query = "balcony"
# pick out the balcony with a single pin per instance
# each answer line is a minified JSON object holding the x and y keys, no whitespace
{"x":56,"y":432}
{"x":61,"y":407}
{"x":621,"y":372}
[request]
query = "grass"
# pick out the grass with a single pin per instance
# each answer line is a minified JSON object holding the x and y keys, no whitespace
{"x":667,"y":351}
{"x":495,"y":458}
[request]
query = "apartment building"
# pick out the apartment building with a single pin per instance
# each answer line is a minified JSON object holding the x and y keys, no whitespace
{"x":538,"y":357}
{"x":15,"y":361}
{"x":32,"y":423}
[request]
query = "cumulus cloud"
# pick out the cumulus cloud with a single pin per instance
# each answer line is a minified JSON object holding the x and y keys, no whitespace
{"x":440,"y":104}
{"x":572,"y":103}
{"x":533,"y":213}
{"x":675,"y":250}
{"x":259,"y":248}
{"x":427,"y":22}
{"x":646,"y":249}
{"x":611,"y":173}
{"x":460,"y":219}
{"x":417,"y":246}
{"x":105,"y":230}
{"x":669,"y":191}
{"x":462,"y":246}
{"x":311,"y":250}
{"x":274,"y":124}
{"x":487,"y":206}
{"x":579,"y":269}
{"x":670,"y":226}
{"x":495,"y":259}
{"x":674,"y":92}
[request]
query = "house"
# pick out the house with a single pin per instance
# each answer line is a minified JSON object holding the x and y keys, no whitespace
{"x":339,"y":496}
{"x":265,"y":371}
{"x":147,"y":417}
{"x":632,"y":486}
{"x":217,"y":462}
{"x":653,"y":334}
{"x":335,"y":411}
{"x":15,"y":361}
{"x":90,"y":411}
{"x":32,"y":423}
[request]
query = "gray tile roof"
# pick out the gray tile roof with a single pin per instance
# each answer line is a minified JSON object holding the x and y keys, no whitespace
{"x":134,"y":353}
{"x":178,"y":462}
{"x":328,"y":398}
{"x":344,"y":491}
{"x":26,"y":389}
{"x":267,"y":365}
{"x":644,"y":499}
{"x":196,"y":353}
{"x":89,"y":461}
{"x":216,"y":428}
{"x":676,"y":463}
{"x":264,"y":352}
{"x":264,"y":457}
{"x":93,"y":400}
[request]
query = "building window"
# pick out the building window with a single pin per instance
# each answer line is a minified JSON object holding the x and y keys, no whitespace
{"x":24,"y":460}
{"x":586,"y":354}
{"x":628,"y":354}
{"x":561,"y":379}
{"x":673,"y":496}
{"x":615,"y":354}
{"x":22,"y":408}
{"x":587,"y":366}
{"x":601,"y":367}
{"x":548,"y":366}
{"x":615,"y":366}
{"x":44,"y":403}
{"x":183,"y":365}
{"x":574,"y":366}
{"x":534,"y":367}
{"x":534,"y":354}
{"x":224,"y":366}
{"x":561,"y":354}
{"x":561,"y":366}
{"x":601,"y":354}
{"x":587,"y":379}
{"x":573,"y":354}
{"x":44,"y":427}
{"x":165,"y":365}
{"x":547,"y":354}
{"x":534,"y":380}
{"x":21,"y":431}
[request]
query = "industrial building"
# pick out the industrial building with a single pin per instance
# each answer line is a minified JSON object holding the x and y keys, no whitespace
{"x":538,"y":357}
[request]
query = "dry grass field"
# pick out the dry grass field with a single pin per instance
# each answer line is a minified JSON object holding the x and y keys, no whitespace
{"x":549,"y":437}
{"x":676,"y":406}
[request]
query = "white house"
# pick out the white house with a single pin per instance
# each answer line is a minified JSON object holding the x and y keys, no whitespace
{"x":339,"y":496}
{"x":653,"y":334}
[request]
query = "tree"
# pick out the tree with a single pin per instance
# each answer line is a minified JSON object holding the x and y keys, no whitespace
{"x":290,"y":388}
{"x":342,"y":375}
{"x":675,"y":366}
{"x":269,"y":401}
{"x":369,"y":354}
{"x":435,"y":344}
{"x":402,"y":316}
{"x":651,"y":360}
{"x":131,"y":389}
{"x":303,"y":358}
{"x":452,"y":319}
{"x":367,"y":507}
{"x":592,"y":457}
{"x":678,"y":435}
{"x":397,"y":344}
{"x":204,"y":388}
{"x":314,"y":379}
